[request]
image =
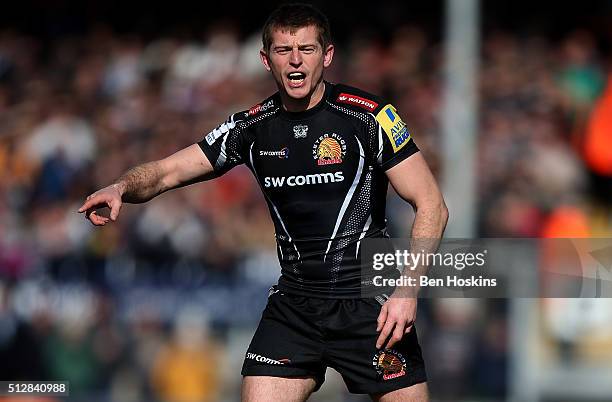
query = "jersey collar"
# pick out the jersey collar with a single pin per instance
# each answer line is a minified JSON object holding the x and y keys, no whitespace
{"x":310,"y":112}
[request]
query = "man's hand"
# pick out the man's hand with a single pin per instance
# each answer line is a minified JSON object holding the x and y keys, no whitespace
{"x":107,"y":197}
{"x":396,"y":318}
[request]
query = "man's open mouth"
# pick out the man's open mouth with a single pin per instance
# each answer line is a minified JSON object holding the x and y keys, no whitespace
{"x":296,"y":79}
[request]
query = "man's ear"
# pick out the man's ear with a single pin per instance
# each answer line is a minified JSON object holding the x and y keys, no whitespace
{"x":264,"y":59}
{"x":328,"y":56}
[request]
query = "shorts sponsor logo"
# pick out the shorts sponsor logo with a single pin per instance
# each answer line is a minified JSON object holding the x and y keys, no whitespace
{"x":389,"y":364}
{"x":282,"y":154}
{"x":267,"y":360}
{"x":394,"y":127}
{"x":261,"y":107}
{"x":329,"y":149}
{"x":300,"y":131}
{"x":357,"y":101}
{"x":292,"y":181}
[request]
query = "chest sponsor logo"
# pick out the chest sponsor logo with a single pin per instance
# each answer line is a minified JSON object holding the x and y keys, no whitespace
{"x":329,"y":149}
{"x":357,"y":101}
{"x":282,"y":154}
{"x":389,"y":364}
{"x":300,"y":131}
{"x":309,"y":179}
{"x":394,"y":127}
{"x":261,"y":107}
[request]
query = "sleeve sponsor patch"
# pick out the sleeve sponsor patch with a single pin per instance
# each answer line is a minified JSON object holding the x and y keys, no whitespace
{"x":212,"y":136}
{"x":260,"y":107}
{"x":357,"y":101}
{"x":219,"y":131}
{"x":393,"y":126}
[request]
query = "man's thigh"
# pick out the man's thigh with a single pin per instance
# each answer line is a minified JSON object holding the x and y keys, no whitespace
{"x":272,"y":389}
{"x":351,"y":350}
{"x":415,"y":393}
{"x":286,"y":349}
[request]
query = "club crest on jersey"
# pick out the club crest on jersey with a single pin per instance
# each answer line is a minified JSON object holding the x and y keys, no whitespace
{"x":389,"y":364}
{"x":329,"y":149}
{"x":394,"y":127}
{"x":300,"y":131}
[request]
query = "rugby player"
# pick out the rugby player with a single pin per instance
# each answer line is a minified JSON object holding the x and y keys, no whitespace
{"x":323,"y":155}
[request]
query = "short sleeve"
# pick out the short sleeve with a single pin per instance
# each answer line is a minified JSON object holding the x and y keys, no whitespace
{"x":394,"y":139}
{"x":223,"y":146}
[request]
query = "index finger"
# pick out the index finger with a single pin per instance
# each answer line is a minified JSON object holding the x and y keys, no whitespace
{"x":384,"y":334}
{"x":398,"y":333}
{"x":382,"y":317}
{"x":86,"y":205}
{"x":92,"y":202}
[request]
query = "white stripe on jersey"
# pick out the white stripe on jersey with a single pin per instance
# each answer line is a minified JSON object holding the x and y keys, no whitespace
{"x":222,"y":155}
{"x":348,"y":197}
{"x":380,"y":140}
{"x":362,"y":235}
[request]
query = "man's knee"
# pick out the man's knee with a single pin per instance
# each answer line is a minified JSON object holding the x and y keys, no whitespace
{"x":415,"y":393}
{"x":264,"y":388}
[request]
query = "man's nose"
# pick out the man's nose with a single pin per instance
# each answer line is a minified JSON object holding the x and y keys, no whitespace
{"x":296,"y":57}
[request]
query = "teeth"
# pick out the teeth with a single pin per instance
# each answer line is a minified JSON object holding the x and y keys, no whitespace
{"x":296,"y":76}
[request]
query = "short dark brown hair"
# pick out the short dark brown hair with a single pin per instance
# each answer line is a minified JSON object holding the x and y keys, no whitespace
{"x":295,"y":16}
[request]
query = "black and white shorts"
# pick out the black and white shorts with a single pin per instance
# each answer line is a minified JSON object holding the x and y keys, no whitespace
{"x":301,"y":336}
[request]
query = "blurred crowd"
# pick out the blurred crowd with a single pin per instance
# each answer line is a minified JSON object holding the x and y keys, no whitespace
{"x":154,"y":306}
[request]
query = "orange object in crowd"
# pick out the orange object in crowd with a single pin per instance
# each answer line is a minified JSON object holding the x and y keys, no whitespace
{"x":566,"y":222}
{"x":598,"y":138}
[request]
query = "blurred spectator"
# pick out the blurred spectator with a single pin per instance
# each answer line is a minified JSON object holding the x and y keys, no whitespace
{"x":63,"y":135}
{"x":186,"y":369}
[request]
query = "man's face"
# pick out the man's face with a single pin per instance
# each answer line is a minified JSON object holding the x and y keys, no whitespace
{"x":296,"y":60}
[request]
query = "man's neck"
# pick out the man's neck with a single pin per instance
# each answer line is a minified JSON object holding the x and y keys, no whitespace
{"x":299,"y":105}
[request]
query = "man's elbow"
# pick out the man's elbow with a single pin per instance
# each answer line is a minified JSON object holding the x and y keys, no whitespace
{"x":168,"y":176}
{"x":435,"y":208}
{"x":443,"y":213}
{"x":440,"y":209}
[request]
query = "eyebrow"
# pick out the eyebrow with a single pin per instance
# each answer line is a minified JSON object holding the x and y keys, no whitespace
{"x":287,"y":46}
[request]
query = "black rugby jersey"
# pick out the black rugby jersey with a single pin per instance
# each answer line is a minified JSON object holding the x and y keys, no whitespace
{"x":322,"y":172}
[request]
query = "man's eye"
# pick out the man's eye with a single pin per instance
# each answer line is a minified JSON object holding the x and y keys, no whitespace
{"x":282,"y":51}
{"x":308,"y":50}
